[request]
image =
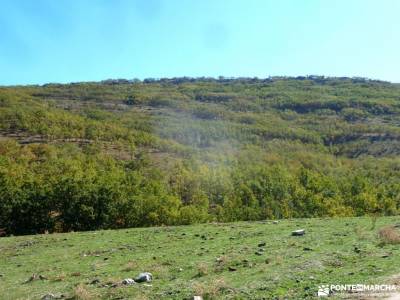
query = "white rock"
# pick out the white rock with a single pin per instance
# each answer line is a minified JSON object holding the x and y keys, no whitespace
{"x":144,"y":277}
{"x":128,"y":281}
{"x":298,"y":232}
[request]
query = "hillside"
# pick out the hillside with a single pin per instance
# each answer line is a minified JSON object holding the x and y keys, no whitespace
{"x":120,"y":153}
{"x":242,"y":260}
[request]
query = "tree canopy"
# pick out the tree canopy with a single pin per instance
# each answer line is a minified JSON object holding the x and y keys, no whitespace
{"x":124,"y":153}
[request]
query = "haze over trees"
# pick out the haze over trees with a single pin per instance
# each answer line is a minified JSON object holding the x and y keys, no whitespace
{"x":125,"y":153}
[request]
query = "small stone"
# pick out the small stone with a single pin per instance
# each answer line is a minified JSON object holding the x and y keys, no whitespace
{"x":32,"y":278}
{"x":144,"y":277}
{"x":197,"y":298}
{"x":128,"y":281}
{"x":275,"y":222}
{"x":232,"y":269}
{"x":36,"y":277}
{"x":95,"y":281}
{"x":48,"y":297}
{"x":180,"y":270}
{"x":298,"y":232}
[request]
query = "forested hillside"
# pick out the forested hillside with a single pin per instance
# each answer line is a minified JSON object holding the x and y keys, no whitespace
{"x":122,"y":153}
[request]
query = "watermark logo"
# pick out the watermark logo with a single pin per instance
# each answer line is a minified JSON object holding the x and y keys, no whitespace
{"x":325,"y":290}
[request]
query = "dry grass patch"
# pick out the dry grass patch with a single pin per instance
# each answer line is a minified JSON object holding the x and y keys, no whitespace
{"x":159,"y":271}
{"x":221,"y":262}
{"x":389,"y":235}
{"x":202,"y":270}
{"x":60,"y":277}
{"x":130,"y":266}
{"x":361,"y":233}
{"x":81,"y":292}
{"x":210,"y":290}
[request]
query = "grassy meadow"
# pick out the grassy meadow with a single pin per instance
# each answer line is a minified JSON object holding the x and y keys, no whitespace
{"x":243,"y":260}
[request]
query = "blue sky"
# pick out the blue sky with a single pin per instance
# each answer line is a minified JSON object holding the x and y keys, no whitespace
{"x":86,"y":40}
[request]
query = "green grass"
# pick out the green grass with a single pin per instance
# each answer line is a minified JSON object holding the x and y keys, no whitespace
{"x":195,"y":260}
